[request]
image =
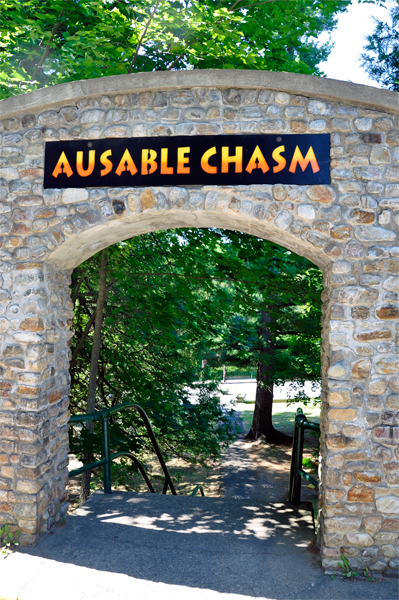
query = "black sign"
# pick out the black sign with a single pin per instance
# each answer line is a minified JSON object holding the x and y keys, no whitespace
{"x":188,"y":160}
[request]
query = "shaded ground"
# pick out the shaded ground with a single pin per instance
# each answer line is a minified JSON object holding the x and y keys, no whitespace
{"x":148,"y":547}
{"x":270,"y":463}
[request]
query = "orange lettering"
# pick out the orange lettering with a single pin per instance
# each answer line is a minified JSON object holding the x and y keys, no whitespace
{"x":62,"y":166}
{"x":303,"y":162}
{"x":183,"y":160}
{"x":148,"y":164}
{"x":79,"y":163}
{"x":257,"y":161}
{"x":126,"y":163}
{"x":104,"y":160}
{"x":280,"y":160}
{"x":205,"y":166}
{"x":165,"y":170}
{"x":234,"y":158}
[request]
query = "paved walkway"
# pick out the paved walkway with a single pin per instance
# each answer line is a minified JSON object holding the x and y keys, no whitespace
{"x":245,"y":545}
{"x":150,"y":547}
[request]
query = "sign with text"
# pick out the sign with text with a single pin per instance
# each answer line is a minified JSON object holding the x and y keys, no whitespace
{"x":302,"y":159}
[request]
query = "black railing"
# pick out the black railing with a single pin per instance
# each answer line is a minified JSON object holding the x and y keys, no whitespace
{"x":297,"y":472}
{"x":105,"y":462}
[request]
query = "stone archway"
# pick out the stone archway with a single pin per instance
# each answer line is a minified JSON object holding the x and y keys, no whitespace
{"x":348,"y":228}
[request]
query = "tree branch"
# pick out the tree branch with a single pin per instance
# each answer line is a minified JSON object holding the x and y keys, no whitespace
{"x":142,"y":37}
{"x":48,"y":45}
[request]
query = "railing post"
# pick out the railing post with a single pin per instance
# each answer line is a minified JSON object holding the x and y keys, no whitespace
{"x":293,"y":461}
{"x":106,"y":453}
{"x":296,"y":483}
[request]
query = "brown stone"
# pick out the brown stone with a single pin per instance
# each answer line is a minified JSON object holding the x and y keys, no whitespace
{"x":341,"y":232}
{"x":347,"y":478}
{"x":387,"y":366}
{"x":384,"y":265}
{"x":390,"y":524}
{"x":338,"y":442}
{"x":334,"y":494}
{"x":30,"y":173}
{"x":342,"y":414}
{"x":372,"y":524}
{"x":388,"y":312}
{"x":361,"y":369}
{"x":376,"y":335}
{"x":393,"y":466}
{"x":298,"y":126}
{"x":28,"y":266}
{"x":364,"y":350}
{"x":321,"y":193}
{"x":21,"y":229}
{"x":360,"y":312}
{"x":31,"y":324}
{"x":361,"y":216}
{"x":360,"y":493}
{"x":367,"y":477}
{"x":339,"y":398}
{"x":371,"y":138}
{"x":25,"y":390}
{"x":147,"y":199}
{"x":333,"y":250}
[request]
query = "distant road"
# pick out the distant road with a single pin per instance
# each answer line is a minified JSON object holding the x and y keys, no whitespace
{"x":247,"y":388}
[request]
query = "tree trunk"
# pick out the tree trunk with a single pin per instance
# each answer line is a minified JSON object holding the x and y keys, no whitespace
{"x":95,"y":355}
{"x":262,"y":426}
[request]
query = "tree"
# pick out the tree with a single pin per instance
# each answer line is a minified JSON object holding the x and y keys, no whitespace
{"x":176,"y":298}
{"x":381,"y":56}
{"x":45,"y":42}
{"x":158,"y":300}
{"x":275,"y":323}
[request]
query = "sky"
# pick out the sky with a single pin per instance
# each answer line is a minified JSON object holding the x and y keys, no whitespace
{"x":349,"y":40}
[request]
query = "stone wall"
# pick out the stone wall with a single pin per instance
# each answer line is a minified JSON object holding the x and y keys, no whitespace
{"x":349,"y":229}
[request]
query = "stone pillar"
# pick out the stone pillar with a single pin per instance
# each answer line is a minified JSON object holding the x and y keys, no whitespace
{"x":360,"y":425}
{"x":35,"y":316}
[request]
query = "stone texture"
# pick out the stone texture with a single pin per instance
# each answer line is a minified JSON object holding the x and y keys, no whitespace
{"x":350,"y":228}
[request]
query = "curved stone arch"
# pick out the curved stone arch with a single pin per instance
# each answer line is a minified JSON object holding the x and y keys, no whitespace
{"x":349,"y":229}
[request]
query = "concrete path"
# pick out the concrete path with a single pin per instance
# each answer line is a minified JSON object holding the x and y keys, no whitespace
{"x":149,"y":547}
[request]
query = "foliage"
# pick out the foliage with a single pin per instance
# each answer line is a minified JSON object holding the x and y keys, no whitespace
{"x":381,"y":59}
{"x":174,"y":299}
{"x":8,"y":540}
{"x":45,"y":42}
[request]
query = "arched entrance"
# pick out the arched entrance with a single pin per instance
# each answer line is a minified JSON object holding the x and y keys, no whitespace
{"x":349,"y":229}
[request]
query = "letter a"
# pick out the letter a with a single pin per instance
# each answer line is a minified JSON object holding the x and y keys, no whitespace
{"x":257,"y":161}
{"x":62,"y":166}
{"x":303,"y":162}
{"x":126,"y":164}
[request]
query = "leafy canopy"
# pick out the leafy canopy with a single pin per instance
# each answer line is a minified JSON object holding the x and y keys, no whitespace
{"x":46,"y":42}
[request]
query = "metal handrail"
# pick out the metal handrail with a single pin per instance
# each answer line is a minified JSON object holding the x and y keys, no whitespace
{"x":297,"y":472}
{"x":103,"y":415}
